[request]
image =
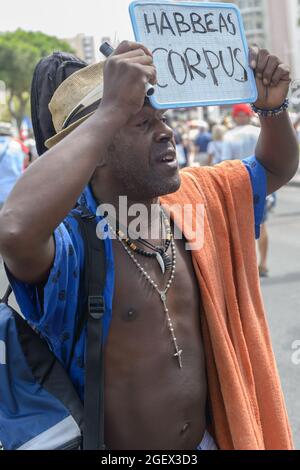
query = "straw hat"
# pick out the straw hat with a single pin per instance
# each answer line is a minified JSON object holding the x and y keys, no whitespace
{"x":75,"y":100}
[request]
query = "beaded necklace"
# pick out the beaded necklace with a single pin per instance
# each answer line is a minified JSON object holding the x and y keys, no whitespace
{"x":159,"y":252}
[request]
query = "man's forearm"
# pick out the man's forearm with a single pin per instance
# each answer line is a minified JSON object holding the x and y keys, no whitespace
{"x":278,"y":149}
{"x":48,"y":190}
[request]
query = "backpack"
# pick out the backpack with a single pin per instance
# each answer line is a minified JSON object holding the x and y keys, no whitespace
{"x":39,"y":406}
{"x":49,"y":73}
{"x":31,"y":382}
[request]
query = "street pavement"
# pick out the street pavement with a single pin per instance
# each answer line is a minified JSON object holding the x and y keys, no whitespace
{"x":281,"y":292}
{"x":296,"y":180}
{"x":282,"y":296}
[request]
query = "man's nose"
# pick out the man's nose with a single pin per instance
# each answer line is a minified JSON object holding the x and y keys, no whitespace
{"x":163,"y":132}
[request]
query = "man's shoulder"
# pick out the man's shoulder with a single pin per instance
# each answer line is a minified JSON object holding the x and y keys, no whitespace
{"x":230,"y":133}
{"x":10,"y":144}
{"x":14,"y":149}
{"x":252,"y":130}
{"x":213,"y":175}
{"x":227,"y":165}
{"x":209,"y":184}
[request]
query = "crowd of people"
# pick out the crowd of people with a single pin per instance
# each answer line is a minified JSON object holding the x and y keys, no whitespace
{"x":201,"y":143}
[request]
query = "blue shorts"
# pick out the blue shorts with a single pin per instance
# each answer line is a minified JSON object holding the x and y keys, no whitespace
{"x":207,"y":443}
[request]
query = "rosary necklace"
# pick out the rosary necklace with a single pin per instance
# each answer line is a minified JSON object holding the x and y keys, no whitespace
{"x":162,"y":294}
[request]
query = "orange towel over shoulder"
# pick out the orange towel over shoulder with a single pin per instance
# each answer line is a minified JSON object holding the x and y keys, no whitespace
{"x":245,"y":395}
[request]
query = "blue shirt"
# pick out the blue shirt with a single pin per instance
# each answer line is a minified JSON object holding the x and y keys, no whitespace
{"x":240,"y":142}
{"x":11,"y":165}
{"x":58,"y":317}
{"x":202,"y":141}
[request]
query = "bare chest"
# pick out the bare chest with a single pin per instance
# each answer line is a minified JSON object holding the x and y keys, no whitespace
{"x":145,"y":387}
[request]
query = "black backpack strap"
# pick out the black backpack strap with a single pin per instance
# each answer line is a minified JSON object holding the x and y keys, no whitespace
{"x":93,"y":312}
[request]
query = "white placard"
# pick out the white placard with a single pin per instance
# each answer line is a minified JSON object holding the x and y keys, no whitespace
{"x":200,"y":52}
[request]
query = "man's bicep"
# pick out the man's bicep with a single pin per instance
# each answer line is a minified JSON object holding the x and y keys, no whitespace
{"x":51,"y":299}
{"x":34,"y":266}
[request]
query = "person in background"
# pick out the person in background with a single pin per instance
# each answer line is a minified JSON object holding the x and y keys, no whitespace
{"x":187,"y":147}
{"x":215,"y":147}
{"x":201,"y":143}
{"x":181,"y":156}
{"x":263,"y":242}
{"x":240,"y":142}
{"x":29,"y":142}
{"x":12,"y":159}
{"x":25,"y":150}
{"x":227,"y":123}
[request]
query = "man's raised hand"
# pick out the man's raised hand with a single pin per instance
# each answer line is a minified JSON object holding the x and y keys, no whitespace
{"x":126,"y":73}
{"x":272,"y":78}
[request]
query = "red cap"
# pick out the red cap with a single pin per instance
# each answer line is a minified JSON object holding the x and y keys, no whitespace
{"x":241,"y":108}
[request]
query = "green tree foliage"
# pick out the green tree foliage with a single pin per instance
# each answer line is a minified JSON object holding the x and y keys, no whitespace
{"x":19,"y":53}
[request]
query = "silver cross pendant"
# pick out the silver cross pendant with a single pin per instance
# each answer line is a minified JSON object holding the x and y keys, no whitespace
{"x":178,"y":354}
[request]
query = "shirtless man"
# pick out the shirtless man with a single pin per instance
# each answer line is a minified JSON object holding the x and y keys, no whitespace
{"x":151,"y":403}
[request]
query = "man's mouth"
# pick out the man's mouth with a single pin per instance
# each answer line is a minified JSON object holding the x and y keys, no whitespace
{"x":168,"y":157}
